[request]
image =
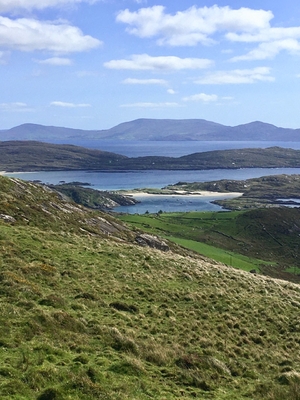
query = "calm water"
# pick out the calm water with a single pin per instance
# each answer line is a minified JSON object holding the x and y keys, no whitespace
{"x":133,"y":148}
{"x":158,"y":179}
{"x":155,"y":179}
{"x":154,"y":204}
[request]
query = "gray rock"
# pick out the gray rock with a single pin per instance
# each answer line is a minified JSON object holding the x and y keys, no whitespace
{"x":152,"y":241}
{"x":7,"y":218}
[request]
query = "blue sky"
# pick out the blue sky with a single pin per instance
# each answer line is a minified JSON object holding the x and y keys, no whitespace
{"x":92,"y":64}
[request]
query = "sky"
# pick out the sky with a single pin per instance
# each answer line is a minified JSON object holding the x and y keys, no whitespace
{"x":92,"y":64}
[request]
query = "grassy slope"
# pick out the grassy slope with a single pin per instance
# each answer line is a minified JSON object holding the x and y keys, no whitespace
{"x":271,"y":235}
{"x":87,"y":315}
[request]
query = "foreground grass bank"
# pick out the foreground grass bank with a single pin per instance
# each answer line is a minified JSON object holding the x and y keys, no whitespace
{"x":86,"y":313}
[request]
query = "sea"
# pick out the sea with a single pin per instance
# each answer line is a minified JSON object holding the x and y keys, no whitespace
{"x":129,"y":180}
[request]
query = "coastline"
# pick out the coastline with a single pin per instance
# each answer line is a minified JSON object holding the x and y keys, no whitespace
{"x":143,"y":194}
{"x":7,"y":173}
{"x":199,"y":194}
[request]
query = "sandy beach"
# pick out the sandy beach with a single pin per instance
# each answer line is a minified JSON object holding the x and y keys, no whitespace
{"x":184,"y":193}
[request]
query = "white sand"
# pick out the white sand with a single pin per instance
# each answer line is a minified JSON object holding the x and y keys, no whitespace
{"x":183,"y":193}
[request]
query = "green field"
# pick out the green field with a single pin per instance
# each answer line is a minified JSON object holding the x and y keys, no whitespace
{"x":241,"y":239}
{"x":223,"y":256}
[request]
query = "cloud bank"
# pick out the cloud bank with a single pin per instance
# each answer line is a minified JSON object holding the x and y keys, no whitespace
{"x":69,"y":105}
{"x":210,"y":25}
{"x":194,"y":25}
{"x":236,"y":76}
{"x":162,"y":63}
{"x":13,"y":5}
{"x":30,"y":35}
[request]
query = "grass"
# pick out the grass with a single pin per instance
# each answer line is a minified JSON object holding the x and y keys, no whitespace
{"x":215,"y":253}
{"x":263,"y":239}
{"x":87,"y":315}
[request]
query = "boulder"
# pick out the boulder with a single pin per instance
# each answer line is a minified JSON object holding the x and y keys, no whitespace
{"x":7,"y":218}
{"x":152,"y":241}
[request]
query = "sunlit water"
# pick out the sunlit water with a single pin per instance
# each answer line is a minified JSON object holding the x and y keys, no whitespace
{"x":157,"y":179}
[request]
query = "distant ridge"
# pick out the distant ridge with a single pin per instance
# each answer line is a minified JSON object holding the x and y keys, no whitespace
{"x":28,"y":155}
{"x":156,"y":130}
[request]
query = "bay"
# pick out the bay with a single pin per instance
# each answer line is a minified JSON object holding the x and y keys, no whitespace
{"x":134,"y":148}
{"x":129,"y":180}
{"x":154,"y":179}
{"x":172,"y":203}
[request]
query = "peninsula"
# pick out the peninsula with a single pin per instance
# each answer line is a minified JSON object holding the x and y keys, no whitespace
{"x":23,"y":156}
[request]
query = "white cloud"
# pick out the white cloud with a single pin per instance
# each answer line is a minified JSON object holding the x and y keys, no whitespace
{"x":56,"y":61}
{"x":171,"y":91}
{"x":272,"y":42}
{"x":133,"y":81}
{"x":30,"y":35}
{"x":265,"y":35}
{"x":269,"y":50}
{"x":205,"y":25}
{"x":194,"y":25}
{"x":69,"y":105}
{"x":150,"y":105}
{"x":206,"y":98}
{"x":163,"y":63}
{"x":15,"y":107}
{"x":237,"y":76}
{"x":12,"y":5}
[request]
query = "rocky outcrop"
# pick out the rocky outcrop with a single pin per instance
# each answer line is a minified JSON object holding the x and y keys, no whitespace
{"x":7,"y":218}
{"x":152,"y":241}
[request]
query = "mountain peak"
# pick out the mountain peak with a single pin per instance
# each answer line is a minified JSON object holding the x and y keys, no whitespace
{"x":156,"y":129}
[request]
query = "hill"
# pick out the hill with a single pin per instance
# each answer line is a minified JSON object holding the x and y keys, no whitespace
{"x":261,"y":240}
{"x":265,"y":191}
{"x":156,"y":129}
{"x":39,"y":156}
{"x":88,"y":313}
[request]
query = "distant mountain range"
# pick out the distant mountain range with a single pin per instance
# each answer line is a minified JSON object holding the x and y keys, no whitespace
{"x":156,"y":129}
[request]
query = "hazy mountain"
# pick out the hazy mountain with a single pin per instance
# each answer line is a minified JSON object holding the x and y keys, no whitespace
{"x":44,"y":133}
{"x":156,"y":129}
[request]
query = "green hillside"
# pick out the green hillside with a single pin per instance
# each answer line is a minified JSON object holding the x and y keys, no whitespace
{"x":88,"y":313}
{"x":265,"y":240}
{"x":38,"y":156}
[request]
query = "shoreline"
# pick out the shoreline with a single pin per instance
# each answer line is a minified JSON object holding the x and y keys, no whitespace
{"x":180,"y":193}
{"x":199,"y":194}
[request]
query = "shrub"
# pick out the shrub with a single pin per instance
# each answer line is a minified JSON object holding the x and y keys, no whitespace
{"x":124,"y":307}
{"x":50,"y":394}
